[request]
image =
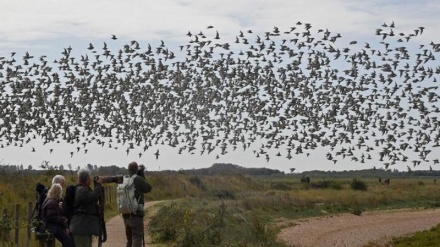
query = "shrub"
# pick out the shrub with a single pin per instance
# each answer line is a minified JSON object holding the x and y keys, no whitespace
{"x":326,"y":185}
{"x":261,"y":232}
{"x":357,"y":210}
{"x":223,"y":194}
{"x":280,"y":186}
{"x":358,"y":185}
{"x":196,"y":181}
{"x":163,"y":228}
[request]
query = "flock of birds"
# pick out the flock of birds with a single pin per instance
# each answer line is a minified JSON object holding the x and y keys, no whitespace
{"x":289,"y":91}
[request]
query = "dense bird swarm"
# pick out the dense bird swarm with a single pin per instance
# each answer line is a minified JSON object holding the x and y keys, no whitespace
{"x":290,"y":91}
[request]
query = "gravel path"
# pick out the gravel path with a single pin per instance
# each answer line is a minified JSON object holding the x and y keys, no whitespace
{"x":351,"y":230}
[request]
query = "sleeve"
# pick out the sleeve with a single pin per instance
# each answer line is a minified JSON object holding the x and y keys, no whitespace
{"x":142,"y":185}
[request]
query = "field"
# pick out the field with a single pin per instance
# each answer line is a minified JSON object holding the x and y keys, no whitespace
{"x":240,"y":210}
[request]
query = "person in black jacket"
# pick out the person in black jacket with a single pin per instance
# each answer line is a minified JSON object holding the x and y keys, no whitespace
{"x":134,"y":223}
{"x":53,"y":218}
{"x":85,"y":221}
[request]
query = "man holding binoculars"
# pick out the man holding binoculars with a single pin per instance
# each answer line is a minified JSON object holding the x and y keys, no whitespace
{"x":134,"y":222}
{"x":86,"y":221}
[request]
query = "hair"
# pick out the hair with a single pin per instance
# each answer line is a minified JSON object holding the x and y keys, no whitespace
{"x":55,"y":192}
{"x":84,"y":174}
{"x":133,"y":167}
{"x":58,"y":179}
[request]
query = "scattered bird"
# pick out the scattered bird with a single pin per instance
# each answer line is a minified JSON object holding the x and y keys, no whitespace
{"x":157,"y":154}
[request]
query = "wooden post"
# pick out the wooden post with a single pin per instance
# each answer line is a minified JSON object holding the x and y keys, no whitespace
{"x":29,"y":223}
{"x":17,"y":224}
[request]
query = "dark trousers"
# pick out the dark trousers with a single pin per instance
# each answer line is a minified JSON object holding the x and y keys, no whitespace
{"x":60,"y":234}
{"x":134,"y":230}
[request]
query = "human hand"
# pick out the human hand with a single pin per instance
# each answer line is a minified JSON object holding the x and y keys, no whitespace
{"x":98,"y":180}
{"x":141,"y":170}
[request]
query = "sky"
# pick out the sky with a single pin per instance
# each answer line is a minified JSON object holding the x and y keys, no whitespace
{"x":47,"y":27}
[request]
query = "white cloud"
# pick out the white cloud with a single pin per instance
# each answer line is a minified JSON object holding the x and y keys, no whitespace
{"x":30,"y":20}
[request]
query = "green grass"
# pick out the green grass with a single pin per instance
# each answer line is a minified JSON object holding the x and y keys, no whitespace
{"x":430,"y":238}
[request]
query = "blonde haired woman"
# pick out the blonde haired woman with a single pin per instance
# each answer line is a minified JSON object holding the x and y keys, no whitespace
{"x":53,"y":218}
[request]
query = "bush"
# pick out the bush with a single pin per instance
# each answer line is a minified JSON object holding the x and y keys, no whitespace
{"x":223,"y":194}
{"x":196,"y":181}
{"x":185,"y":226}
{"x":163,"y":228}
{"x":358,"y":185}
{"x":280,"y":186}
{"x":326,"y":185}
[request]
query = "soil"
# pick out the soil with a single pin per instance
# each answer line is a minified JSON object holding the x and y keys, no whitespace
{"x":373,"y":228}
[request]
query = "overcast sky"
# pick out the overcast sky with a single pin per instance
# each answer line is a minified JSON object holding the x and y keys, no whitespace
{"x":46,"y":27}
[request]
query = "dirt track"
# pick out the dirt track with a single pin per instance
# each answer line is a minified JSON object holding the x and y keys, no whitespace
{"x":351,"y":230}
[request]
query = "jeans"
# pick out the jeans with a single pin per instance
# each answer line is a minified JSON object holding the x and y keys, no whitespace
{"x":134,"y":230}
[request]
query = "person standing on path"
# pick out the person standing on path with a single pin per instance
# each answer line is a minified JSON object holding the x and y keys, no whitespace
{"x":85,"y":220}
{"x":134,"y":222}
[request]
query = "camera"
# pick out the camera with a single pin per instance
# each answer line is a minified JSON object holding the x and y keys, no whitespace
{"x":141,"y":171}
{"x":110,"y":179}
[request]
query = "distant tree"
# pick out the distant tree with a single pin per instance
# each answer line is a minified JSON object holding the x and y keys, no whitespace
{"x":29,"y":167}
{"x":90,"y":167}
{"x":61,"y":168}
{"x":45,"y":164}
{"x":69,"y":166}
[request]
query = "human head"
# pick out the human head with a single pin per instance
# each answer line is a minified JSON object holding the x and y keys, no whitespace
{"x":59,"y":179}
{"x":84,"y":176}
{"x":133,"y":167}
{"x":55,"y":192}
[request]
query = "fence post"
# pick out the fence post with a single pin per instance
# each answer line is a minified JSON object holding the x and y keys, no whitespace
{"x":17,"y":224}
{"x":109,"y":194}
{"x":29,"y":223}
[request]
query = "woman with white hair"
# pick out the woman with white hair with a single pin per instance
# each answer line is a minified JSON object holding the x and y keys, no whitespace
{"x":53,"y":218}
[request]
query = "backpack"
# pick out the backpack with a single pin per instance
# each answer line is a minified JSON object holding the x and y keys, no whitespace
{"x":37,"y":214}
{"x":69,"y":200}
{"x":127,"y":203}
{"x":40,"y":198}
